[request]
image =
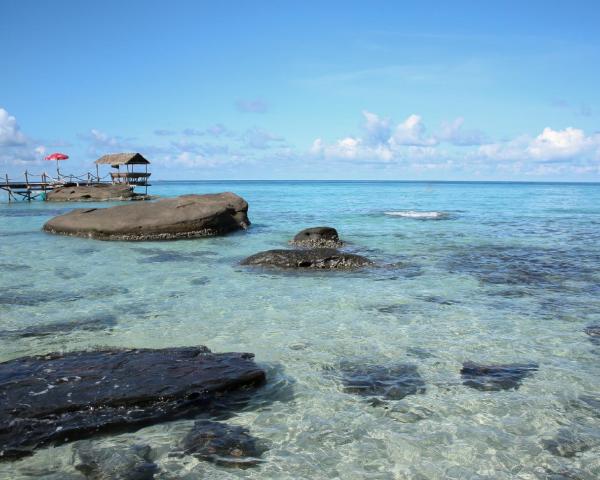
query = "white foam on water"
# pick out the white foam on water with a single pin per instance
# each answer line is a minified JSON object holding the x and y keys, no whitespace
{"x":415,"y":214}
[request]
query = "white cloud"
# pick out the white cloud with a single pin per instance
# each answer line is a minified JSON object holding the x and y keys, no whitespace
{"x":257,"y":138}
{"x":454,"y":133}
{"x":562,"y":144}
{"x":377,"y":129}
{"x":16,"y":148}
{"x":10,"y":132}
{"x":452,"y":148}
{"x":351,"y":148}
{"x":382,"y":141}
{"x":570,"y":145}
{"x":412,"y":132}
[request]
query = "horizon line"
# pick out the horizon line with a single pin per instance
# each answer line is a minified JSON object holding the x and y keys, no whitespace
{"x":582,"y":182}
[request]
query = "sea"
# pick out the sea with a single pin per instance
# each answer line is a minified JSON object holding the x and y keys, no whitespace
{"x":490,"y":273}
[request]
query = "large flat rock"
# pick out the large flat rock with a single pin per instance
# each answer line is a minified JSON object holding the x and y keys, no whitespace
{"x":57,"y":398}
{"x":187,"y":216}
{"x":93,"y":193}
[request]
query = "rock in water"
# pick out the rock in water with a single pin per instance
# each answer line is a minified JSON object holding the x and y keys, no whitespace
{"x":318,"y":258}
{"x":496,"y":377}
{"x":187,"y":216}
{"x":567,"y":443}
{"x":393,"y":382}
{"x":93,"y":193}
{"x":56,"y":398}
{"x":317,"y":237}
{"x":594,"y":333}
{"x":225,"y":445}
{"x":93,"y":324}
{"x":131,"y":463}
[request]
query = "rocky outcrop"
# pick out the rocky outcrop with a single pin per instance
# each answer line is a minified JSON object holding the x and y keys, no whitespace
{"x":94,"y":193}
{"x":188,"y":216}
{"x":316,"y":237}
{"x":56,"y":398}
{"x":496,"y":377}
{"x":318,"y":258}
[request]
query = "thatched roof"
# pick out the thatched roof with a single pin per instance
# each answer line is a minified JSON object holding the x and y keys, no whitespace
{"x":115,"y":159}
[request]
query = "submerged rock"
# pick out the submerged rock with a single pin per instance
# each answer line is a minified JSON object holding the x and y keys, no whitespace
{"x":18,"y":295}
{"x":398,"y":309}
{"x":567,"y":443}
{"x":225,"y":445}
{"x":98,"y":463}
{"x":318,"y":258}
{"x":436,"y":299}
{"x":496,"y":377}
{"x":93,"y":324}
{"x":55,"y":398}
{"x":187,"y":216}
{"x":391,"y":382}
{"x":594,"y":333}
{"x":94,"y":193}
{"x":316,"y":237}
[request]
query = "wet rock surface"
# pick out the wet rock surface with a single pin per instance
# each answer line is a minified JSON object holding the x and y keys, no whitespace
{"x":187,"y":216}
{"x":388,"y":382}
{"x":129,"y":463}
{"x":56,"y":398}
{"x":93,"y":193}
{"x":496,"y":377}
{"x":318,"y":258}
{"x":222,"y":444}
{"x":317,"y":237}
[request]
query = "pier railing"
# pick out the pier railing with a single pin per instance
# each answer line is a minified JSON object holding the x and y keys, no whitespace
{"x":31,"y":185}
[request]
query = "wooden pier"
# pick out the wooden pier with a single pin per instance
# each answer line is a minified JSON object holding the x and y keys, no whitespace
{"x":33,"y":186}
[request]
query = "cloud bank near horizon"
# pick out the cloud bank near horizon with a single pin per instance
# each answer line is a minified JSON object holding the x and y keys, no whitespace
{"x":409,"y":146}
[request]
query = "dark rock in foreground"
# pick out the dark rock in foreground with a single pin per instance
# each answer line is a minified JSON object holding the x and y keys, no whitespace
{"x":393,"y":382}
{"x":94,"y":193}
{"x":132,"y":463}
{"x":496,"y":377}
{"x":316,"y":237}
{"x":318,"y":258}
{"x":56,"y":398}
{"x":225,"y":445}
{"x":187,"y":216}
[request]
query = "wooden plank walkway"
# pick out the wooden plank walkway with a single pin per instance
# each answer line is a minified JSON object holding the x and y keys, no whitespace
{"x":29,"y":188}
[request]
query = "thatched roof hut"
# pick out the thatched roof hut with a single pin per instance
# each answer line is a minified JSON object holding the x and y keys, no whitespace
{"x":129,"y":177}
{"x":117,"y":159}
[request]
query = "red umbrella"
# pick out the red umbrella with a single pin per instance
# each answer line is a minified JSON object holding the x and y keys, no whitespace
{"x":57,"y":156}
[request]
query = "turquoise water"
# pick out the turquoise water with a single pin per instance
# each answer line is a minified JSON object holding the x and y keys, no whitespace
{"x":488,"y":272}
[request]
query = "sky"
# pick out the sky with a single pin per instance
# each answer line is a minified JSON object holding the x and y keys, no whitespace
{"x":382,"y":90}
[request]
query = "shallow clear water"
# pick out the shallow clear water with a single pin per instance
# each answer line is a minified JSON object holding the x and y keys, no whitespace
{"x":505,"y":273}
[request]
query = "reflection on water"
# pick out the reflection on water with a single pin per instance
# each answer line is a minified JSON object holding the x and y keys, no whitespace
{"x":509,"y":277}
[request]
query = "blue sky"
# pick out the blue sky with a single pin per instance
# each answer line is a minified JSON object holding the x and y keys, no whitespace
{"x":330,"y":90}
